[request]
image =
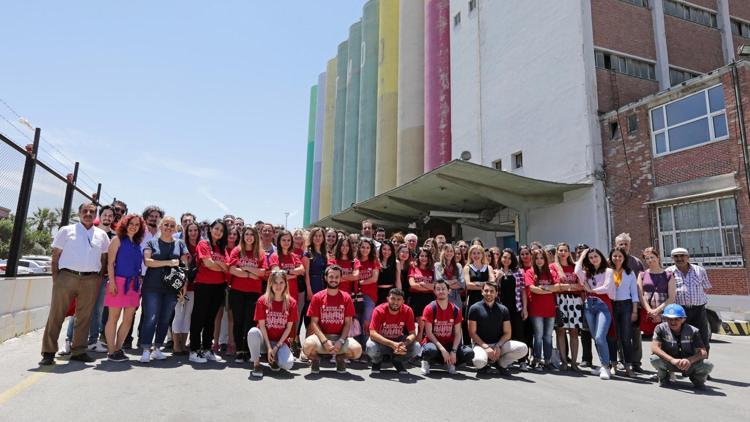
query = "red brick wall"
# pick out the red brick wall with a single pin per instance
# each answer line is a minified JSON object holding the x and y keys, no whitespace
{"x":740,"y":9}
{"x":708,"y":4}
{"x":629,"y":186}
{"x":629,"y":88}
{"x":693,"y":46}
{"x":623,"y":27}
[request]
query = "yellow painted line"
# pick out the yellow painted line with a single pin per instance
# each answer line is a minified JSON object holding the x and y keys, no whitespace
{"x":25,"y":384}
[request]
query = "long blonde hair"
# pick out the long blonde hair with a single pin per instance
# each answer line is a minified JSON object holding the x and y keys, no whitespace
{"x":268,"y":296}
{"x":476,"y":248}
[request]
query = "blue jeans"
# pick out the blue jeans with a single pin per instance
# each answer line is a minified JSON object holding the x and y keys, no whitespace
{"x":157,"y":312}
{"x":96,"y":317}
{"x":598,"y":318}
{"x":543,"y":337}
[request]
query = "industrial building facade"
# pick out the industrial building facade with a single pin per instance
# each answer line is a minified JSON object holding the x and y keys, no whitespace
{"x":518,"y":89}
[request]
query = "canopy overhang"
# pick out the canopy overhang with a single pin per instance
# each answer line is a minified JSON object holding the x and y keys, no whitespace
{"x":467,"y":192}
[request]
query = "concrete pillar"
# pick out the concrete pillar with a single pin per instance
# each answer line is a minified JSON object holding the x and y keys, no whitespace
{"x":310,"y":155}
{"x":410,"y":121}
{"x":437,"y":90}
{"x":351,"y":127}
{"x":368,"y":92}
{"x":320,"y":112}
{"x":725,"y":26}
{"x":660,"y":39}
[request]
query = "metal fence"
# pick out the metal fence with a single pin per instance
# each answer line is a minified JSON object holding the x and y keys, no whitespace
{"x":40,"y":190}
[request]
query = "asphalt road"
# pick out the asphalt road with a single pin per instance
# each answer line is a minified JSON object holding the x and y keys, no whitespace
{"x":176,"y":390}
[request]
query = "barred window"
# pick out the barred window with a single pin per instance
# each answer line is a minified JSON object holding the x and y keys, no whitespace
{"x":625,"y":65}
{"x":740,"y":29}
{"x":677,"y":76}
{"x":690,"y":13}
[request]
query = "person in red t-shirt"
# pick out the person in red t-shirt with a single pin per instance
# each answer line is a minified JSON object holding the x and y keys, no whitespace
{"x":541,"y":283}
{"x":209,"y":292}
{"x":389,"y":322}
{"x":369,"y":270}
{"x":421,"y":277}
{"x":331,"y":312}
{"x":442,"y":327}
{"x":247,"y":266}
{"x":276,"y":313}
{"x":343,"y":256}
{"x":286,"y":260}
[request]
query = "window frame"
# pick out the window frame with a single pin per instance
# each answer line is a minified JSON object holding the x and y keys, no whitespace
{"x":740,"y":25}
{"x":723,"y":261}
{"x":498,"y":164}
{"x":709,"y":115}
{"x":712,"y":14}
{"x":620,"y":63}
{"x":514,"y":160}
{"x":457,"y":19}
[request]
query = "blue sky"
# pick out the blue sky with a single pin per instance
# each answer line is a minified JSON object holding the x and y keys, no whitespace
{"x":199,"y":106}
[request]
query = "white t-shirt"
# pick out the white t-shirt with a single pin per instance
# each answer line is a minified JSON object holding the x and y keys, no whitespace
{"x":82,"y":249}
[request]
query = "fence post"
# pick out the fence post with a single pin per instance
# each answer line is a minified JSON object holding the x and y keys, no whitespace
{"x":70,"y":188}
{"x":97,"y":199}
{"x":22,"y":209}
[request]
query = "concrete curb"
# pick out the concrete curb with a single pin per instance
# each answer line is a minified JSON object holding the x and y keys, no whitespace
{"x":735,"y":328}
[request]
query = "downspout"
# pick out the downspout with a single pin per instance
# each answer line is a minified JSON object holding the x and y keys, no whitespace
{"x":741,"y":121}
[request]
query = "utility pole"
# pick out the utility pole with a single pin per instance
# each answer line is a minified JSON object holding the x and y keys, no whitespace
{"x":286,"y":219}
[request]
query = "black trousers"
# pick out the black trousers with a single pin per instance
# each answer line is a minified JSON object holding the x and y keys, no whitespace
{"x":430,"y":353}
{"x":698,"y":318}
{"x":208,"y":299}
{"x":587,"y":354}
{"x":242,"y":305}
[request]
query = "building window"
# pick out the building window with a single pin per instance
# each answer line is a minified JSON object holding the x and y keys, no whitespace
{"x":625,"y":65}
{"x":457,"y":19}
{"x":708,"y":229}
{"x":690,"y":13}
{"x":632,"y":123}
{"x":497,"y":164}
{"x":517,"y":160}
{"x":741,"y":29}
{"x":472,"y":5}
{"x":641,"y":3}
{"x":614,"y":130}
{"x":677,"y":76}
{"x":689,"y":121}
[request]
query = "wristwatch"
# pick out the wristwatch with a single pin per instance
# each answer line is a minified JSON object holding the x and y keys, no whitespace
{"x":342,"y":341}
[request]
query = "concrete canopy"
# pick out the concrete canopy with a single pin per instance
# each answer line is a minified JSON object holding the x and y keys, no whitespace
{"x":457,"y":187}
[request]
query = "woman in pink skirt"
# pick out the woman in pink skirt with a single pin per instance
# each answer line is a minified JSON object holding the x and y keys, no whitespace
{"x":124,"y":289}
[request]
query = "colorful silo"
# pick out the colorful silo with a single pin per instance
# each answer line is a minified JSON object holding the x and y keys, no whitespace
{"x":310,"y":155}
{"x":368,"y":102}
{"x":410,"y":122}
{"x":320,"y":112}
{"x":351,"y":129}
{"x":342,"y":60}
{"x":326,"y":167}
{"x":387,"y":115}
{"x":437,"y":89}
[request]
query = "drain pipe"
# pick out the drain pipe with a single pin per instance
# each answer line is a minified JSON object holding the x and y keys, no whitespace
{"x":741,"y":121}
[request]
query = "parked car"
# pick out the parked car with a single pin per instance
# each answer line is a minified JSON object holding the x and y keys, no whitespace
{"x":21,"y":270}
{"x":44,"y":261}
{"x":33,"y":266}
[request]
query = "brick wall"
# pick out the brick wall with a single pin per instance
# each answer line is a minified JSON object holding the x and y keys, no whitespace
{"x":740,"y":9}
{"x":693,"y":46}
{"x":632,"y":171}
{"x":629,"y":89}
{"x":623,"y":27}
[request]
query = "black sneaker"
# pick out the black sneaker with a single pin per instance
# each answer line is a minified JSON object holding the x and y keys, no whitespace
{"x":47,"y":359}
{"x":376,"y":368}
{"x":275,"y":367}
{"x":117,"y":356}
{"x":83,"y":357}
{"x":484,"y":370}
{"x":638,"y":369}
{"x":504,"y":372}
{"x":698,"y":385}
{"x":341,"y":364}
{"x":399,"y":366}
{"x":663,"y":379}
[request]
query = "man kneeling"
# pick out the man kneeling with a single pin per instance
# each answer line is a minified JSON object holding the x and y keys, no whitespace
{"x":331,"y":313}
{"x":489,"y":328}
{"x":443,"y":333}
{"x":678,"y":347}
{"x":388,"y":323}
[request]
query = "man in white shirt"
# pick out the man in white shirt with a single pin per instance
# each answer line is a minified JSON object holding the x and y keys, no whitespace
{"x":79,"y":252}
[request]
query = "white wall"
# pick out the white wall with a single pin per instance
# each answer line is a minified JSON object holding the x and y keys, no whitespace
{"x":24,"y":305}
{"x":465,"y":112}
{"x":570,"y":221}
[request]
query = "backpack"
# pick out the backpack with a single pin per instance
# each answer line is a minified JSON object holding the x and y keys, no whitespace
{"x":433,"y":306}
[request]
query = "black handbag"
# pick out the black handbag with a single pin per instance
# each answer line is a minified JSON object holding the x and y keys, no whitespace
{"x":175,"y":279}
{"x":358,"y":299}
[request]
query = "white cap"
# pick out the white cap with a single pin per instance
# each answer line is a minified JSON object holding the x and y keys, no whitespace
{"x":679,"y":251}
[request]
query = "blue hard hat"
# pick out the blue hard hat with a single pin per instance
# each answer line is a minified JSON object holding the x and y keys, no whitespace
{"x":674,"y":311}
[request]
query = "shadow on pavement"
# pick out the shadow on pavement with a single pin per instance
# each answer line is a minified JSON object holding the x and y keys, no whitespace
{"x":729,"y":382}
{"x":388,"y":375}
{"x":687,"y":388}
{"x":63,"y":367}
{"x":335,"y":375}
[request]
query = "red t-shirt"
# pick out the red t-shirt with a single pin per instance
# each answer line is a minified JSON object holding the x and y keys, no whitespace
{"x":443,"y":322}
{"x":289,"y":262}
{"x":331,"y":310}
{"x":246,"y":284}
{"x":206,"y":275}
{"x":365,"y":271}
{"x":276,"y":317}
{"x":420,"y":276}
{"x":389,"y":325}
{"x":541,"y":305}
{"x":347,"y":268}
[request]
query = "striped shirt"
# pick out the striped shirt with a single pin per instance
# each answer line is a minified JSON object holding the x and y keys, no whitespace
{"x":691,"y":287}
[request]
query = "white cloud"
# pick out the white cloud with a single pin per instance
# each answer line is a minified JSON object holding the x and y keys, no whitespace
{"x":204,"y":191}
{"x":149,"y":162}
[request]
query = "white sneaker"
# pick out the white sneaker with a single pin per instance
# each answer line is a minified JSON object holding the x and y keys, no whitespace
{"x":157,"y":354}
{"x":604,"y":373}
{"x":145,"y":357}
{"x":212,"y":357}
{"x":452,"y":369}
{"x":66,"y":348}
{"x":672,"y":377}
{"x":97,"y":347}
{"x":425,"y":368}
{"x":197,"y":357}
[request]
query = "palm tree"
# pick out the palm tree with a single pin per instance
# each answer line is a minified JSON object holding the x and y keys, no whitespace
{"x":44,"y":218}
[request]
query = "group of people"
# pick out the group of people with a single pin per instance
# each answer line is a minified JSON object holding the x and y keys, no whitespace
{"x":363,"y":296}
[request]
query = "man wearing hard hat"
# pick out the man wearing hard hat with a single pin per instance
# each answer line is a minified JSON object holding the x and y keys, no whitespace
{"x":678,"y":347}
